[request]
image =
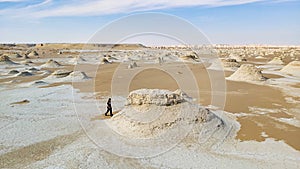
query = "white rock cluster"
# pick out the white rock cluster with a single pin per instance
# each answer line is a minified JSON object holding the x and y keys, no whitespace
{"x":155,"y":96}
{"x":151,"y":113}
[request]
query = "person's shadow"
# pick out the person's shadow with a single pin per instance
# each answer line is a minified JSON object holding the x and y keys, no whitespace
{"x":103,"y":117}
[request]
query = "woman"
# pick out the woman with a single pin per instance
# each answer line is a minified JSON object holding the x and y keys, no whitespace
{"x":109,"y":108}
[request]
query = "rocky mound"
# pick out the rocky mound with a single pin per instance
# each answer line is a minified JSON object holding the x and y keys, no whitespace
{"x":77,"y":75}
{"x":61,"y":73}
{"x":276,"y":61}
{"x":152,"y":113}
{"x":51,"y":64}
{"x":230,"y":64}
{"x":24,"y":73}
{"x":292,"y":68}
{"x":109,"y":57}
{"x":247,"y":72}
{"x":132,"y":65}
{"x":39,"y":82}
{"x":32,"y":53}
{"x":13,"y":72}
{"x":105,"y":61}
{"x":4,"y":59}
{"x":189,"y":56}
{"x":15,"y":55}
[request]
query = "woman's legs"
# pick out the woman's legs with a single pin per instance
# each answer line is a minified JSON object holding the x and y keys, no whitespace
{"x":109,"y":109}
{"x":110,"y":112}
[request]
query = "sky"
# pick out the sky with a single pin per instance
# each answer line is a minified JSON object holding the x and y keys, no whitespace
{"x":273,"y":22}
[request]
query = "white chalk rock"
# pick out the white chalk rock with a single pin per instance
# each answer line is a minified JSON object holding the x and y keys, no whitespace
{"x":155,"y":96}
{"x":276,"y":61}
{"x":152,"y":113}
{"x":51,"y":64}
{"x":132,"y":65}
{"x":247,"y":72}
{"x":4,"y":59}
{"x":293,"y":68}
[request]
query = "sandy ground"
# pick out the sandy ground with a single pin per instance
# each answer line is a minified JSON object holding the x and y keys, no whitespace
{"x":239,"y":97}
{"x":46,"y":128}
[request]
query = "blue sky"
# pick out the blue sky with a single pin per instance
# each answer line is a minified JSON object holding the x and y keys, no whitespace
{"x":222,"y":21}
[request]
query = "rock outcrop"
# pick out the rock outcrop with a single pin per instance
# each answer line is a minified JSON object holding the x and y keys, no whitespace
{"x":4,"y":59}
{"x":77,"y":75}
{"x":293,"y":68}
{"x":32,"y":53}
{"x":155,"y":96}
{"x":230,"y":64}
{"x":51,"y":64}
{"x":247,"y":72}
{"x":276,"y":61}
{"x":24,"y":74}
{"x":151,"y":113}
{"x":132,"y":65}
{"x":61,"y":73}
{"x":105,"y":61}
{"x":189,"y":56}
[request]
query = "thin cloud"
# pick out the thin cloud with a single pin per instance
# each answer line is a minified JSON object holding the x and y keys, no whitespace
{"x":12,"y":0}
{"x":49,"y":8}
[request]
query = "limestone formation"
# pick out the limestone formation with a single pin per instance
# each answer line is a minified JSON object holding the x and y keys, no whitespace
{"x":189,"y":56}
{"x":24,"y":73}
{"x":293,"y":68}
{"x":32,"y":53}
{"x":276,"y":61}
{"x":51,"y":64}
{"x":77,"y":75}
{"x":132,"y":65}
{"x":152,"y":112}
{"x":4,"y":59}
{"x":13,"y":72}
{"x":230,"y":64}
{"x":105,"y":61}
{"x":61,"y":73}
{"x":247,"y":72}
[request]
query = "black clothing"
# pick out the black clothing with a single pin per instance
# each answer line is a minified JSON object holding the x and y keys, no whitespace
{"x":109,"y":108}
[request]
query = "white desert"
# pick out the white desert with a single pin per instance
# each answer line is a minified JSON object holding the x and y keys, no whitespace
{"x":168,"y":107}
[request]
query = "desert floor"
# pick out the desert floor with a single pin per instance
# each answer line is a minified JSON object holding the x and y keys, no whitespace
{"x":47,"y":121}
